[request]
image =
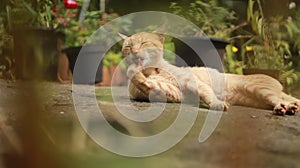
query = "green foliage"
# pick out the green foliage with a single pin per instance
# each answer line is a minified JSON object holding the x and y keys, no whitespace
{"x":6,"y":46}
{"x":289,"y":75}
{"x":231,"y":64}
{"x":45,"y":18}
{"x":21,"y":13}
{"x":293,"y":29}
{"x":261,"y":58}
{"x":78,"y":33}
{"x":169,"y":50}
{"x":112,"y":58}
{"x":212,"y":19}
{"x":270,"y":44}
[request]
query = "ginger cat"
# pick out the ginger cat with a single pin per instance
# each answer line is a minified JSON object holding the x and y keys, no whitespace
{"x":149,"y":72}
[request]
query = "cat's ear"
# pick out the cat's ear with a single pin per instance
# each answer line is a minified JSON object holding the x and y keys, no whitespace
{"x":161,"y":37}
{"x":160,"y":32}
{"x":123,"y":36}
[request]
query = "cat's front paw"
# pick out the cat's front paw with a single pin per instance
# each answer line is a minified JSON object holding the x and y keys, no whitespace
{"x":219,"y":106}
{"x":132,"y":70}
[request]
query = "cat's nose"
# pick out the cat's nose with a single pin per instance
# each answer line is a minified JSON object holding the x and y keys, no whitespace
{"x":135,"y":52}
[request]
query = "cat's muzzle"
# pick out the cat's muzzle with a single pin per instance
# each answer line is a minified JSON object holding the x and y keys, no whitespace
{"x":138,"y":60}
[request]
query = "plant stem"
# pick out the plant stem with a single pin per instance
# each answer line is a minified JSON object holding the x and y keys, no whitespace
{"x":260,"y":9}
{"x":102,"y":6}
{"x":240,"y":37}
{"x":84,"y":8}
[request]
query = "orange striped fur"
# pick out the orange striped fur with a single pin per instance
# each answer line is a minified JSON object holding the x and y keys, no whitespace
{"x":152,"y":76}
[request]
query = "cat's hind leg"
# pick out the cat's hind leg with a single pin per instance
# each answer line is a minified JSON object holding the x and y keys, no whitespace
{"x":288,"y":105}
{"x":268,"y":90}
{"x":282,"y":103}
{"x":273,"y":98}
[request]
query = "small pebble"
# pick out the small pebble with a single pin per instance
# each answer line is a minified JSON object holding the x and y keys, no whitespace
{"x":62,"y":112}
{"x":253,"y":116}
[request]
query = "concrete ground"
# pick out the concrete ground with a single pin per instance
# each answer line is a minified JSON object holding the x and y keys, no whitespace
{"x":39,"y":128}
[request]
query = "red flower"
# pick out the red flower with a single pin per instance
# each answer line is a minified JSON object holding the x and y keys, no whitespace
{"x":70,"y":4}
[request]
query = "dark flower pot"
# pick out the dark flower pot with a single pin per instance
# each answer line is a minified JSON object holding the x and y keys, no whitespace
{"x":91,"y":54}
{"x":189,"y":56}
{"x":35,"y":52}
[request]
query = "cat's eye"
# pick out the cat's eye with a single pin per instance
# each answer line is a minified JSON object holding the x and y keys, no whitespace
{"x":144,"y":42}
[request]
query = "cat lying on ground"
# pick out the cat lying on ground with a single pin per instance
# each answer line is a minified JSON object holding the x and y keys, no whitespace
{"x":149,"y":72}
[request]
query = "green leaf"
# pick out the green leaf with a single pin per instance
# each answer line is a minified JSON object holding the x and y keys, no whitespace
{"x":254,"y":22}
{"x":203,"y":4}
{"x":289,"y":30}
{"x":29,"y":8}
{"x":48,"y":16}
{"x":260,"y":26}
{"x":250,"y":10}
{"x":297,"y":44}
{"x":289,"y":81}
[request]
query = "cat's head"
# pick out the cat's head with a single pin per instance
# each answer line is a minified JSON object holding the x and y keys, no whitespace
{"x":144,"y":49}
